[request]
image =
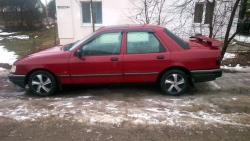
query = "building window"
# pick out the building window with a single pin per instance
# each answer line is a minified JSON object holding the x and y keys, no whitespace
{"x":97,"y":12}
{"x":200,"y":8}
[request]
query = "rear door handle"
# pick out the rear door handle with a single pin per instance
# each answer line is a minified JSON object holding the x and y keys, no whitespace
{"x":160,"y":57}
{"x":114,"y":59}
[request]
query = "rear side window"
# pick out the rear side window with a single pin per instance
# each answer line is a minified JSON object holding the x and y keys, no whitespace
{"x":143,"y":42}
{"x":177,"y":39}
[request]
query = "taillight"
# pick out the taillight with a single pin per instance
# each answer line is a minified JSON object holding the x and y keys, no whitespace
{"x":218,"y":61}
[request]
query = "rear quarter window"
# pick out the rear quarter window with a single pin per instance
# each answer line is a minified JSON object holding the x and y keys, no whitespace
{"x":177,"y":39}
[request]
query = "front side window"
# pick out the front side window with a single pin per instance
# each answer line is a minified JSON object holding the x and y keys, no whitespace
{"x":97,"y":12}
{"x":143,"y":42}
{"x":104,"y":44}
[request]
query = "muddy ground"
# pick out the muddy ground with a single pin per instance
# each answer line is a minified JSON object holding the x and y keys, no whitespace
{"x":216,"y":110}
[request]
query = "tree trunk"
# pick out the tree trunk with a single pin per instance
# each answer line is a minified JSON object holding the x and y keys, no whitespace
{"x":243,"y":10}
{"x":226,"y":41}
{"x":92,"y":15}
{"x":211,"y":28}
{"x":146,"y":11}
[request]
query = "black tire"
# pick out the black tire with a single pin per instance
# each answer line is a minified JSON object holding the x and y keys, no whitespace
{"x":42,"y":83}
{"x":174,"y":82}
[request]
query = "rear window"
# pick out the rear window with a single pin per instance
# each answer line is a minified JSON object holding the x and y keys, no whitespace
{"x":177,"y":39}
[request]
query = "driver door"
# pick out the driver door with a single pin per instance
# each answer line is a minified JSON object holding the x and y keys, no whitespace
{"x":101,"y":60}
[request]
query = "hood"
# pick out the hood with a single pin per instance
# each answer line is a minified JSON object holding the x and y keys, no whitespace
{"x":44,"y":52}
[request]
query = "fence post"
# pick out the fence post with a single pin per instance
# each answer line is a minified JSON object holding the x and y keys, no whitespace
{"x":32,"y":42}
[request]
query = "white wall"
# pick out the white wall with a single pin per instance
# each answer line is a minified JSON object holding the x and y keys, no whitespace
{"x":70,"y":26}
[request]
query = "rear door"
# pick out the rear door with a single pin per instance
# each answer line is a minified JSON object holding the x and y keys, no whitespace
{"x":145,"y":56}
{"x":101,"y":60}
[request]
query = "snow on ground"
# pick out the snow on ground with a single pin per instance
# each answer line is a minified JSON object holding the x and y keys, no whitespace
{"x":229,"y":55}
{"x":2,"y":69}
{"x":6,"y":56}
{"x":242,"y":38}
{"x":151,"y":111}
{"x":19,"y":37}
{"x":7,"y":33}
{"x":237,"y":68}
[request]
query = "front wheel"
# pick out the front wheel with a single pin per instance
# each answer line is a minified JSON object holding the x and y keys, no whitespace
{"x":42,"y":83}
{"x":174,"y":82}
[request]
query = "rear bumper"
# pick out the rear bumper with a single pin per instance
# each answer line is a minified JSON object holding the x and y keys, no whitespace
{"x":205,"y":75}
{"x":17,"y":79}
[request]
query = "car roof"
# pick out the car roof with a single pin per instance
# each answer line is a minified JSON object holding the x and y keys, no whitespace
{"x":130,"y":26}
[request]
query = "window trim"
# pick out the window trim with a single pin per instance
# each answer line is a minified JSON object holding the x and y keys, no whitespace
{"x":148,"y":31}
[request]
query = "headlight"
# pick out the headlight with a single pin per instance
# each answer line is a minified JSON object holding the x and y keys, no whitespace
{"x":13,"y":69}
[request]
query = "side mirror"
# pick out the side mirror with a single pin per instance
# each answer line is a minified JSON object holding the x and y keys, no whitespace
{"x":78,"y":53}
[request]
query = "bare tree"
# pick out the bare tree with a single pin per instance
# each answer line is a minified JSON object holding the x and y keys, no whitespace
{"x":213,"y":20}
{"x":229,"y":38}
{"x":148,"y":12}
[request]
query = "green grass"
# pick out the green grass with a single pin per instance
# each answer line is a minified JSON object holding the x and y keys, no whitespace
{"x":22,"y":47}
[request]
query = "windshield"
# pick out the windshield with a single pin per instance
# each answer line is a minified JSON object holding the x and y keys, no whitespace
{"x":81,"y":41}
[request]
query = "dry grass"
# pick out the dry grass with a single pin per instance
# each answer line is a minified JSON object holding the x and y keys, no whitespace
{"x":45,"y":38}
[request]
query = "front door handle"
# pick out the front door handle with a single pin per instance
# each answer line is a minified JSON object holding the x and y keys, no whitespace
{"x":160,"y":57}
{"x":114,"y":59}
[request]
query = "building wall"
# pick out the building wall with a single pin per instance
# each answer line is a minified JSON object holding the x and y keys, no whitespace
{"x":70,"y":26}
{"x":115,"y":12}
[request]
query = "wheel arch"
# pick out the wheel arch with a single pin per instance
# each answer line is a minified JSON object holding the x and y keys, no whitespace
{"x":172,"y":68}
{"x":41,"y":69}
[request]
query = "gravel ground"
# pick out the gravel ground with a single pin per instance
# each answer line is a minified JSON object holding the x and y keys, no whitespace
{"x":216,"y":110}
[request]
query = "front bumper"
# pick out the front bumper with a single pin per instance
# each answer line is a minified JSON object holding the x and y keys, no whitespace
{"x":205,"y":75}
{"x":17,"y":79}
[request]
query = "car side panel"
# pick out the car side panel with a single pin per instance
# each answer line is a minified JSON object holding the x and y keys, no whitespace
{"x":195,"y":59}
{"x":145,"y":67}
{"x":56,"y":64}
{"x":96,"y":69}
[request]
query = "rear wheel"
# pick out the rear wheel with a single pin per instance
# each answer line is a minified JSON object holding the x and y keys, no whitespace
{"x":42,"y":83}
{"x":174,"y":82}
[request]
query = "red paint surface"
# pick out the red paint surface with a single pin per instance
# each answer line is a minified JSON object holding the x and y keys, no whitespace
{"x":200,"y":56}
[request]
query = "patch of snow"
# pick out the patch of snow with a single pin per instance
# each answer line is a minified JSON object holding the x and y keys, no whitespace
{"x":214,"y":84}
{"x":7,"y":33}
{"x":88,"y":104}
{"x":233,"y":43}
{"x":69,"y":105}
{"x":19,"y":37}
{"x":88,"y":130}
{"x":2,"y":69}
{"x":6,"y":56}
{"x":234,"y":98}
{"x":237,"y":68}
{"x":84,"y":97}
{"x":47,"y":27}
{"x":229,"y":55}
{"x":1,"y":38}
{"x":242,"y":38}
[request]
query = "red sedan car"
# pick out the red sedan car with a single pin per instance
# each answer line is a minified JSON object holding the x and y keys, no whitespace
{"x":122,"y":54}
